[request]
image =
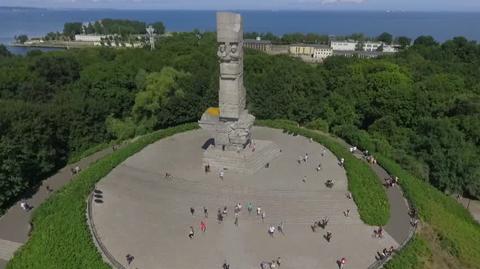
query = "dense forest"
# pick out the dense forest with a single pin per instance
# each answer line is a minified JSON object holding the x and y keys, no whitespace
{"x":420,"y":107}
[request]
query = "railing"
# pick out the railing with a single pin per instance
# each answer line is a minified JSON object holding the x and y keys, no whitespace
{"x":103,"y":250}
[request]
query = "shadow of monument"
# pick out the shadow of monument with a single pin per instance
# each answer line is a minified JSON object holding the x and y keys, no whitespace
{"x":207,"y":143}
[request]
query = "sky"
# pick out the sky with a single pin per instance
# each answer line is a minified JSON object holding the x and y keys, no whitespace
{"x":394,"y":5}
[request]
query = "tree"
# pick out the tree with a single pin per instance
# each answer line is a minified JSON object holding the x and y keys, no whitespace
{"x":159,"y":27}
{"x":71,"y":29}
{"x":21,"y":39}
{"x":4,"y":51}
{"x":403,"y":41}
{"x":385,"y":37}
{"x":425,"y":41}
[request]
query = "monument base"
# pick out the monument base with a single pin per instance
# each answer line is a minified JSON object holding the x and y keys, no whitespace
{"x":247,"y":161}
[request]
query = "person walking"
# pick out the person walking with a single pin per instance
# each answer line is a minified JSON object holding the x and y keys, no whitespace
{"x":205,"y":212}
{"x":249,"y":208}
{"x":129,"y":258}
{"x":191,"y":233}
{"x":328,"y":236}
{"x":263,"y":216}
{"x":203,"y":226}
{"x":225,"y":265}
{"x":192,"y":211}
{"x":280,"y":227}
{"x":221,"y":174}
{"x":279,"y":261}
{"x":236,"y":219}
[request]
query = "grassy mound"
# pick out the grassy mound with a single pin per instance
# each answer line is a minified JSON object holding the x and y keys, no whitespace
{"x":367,"y":191}
{"x":61,"y":238}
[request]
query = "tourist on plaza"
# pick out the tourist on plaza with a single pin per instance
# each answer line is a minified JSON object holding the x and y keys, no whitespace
{"x":249,"y":208}
{"x":314,"y":226}
{"x":342,"y":162}
{"x":323,"y":223}
{"x":236,"y":219}
{"x":129,"y":258}
{"x":378,"y":232}
{"x":279,"y":261}
{"x":280,"y":227}
{"x":205,"y":212}
{"x":305,"y":158}
{"x":346,"y":212}
{"x":264,"y":265}
{"x":263,"y":216}
{"x":328,"y":236}
{"x":225,"y":265}
{"x":271,"y":230}
{"x":259,"y":211}
{"x":324,"y":152}
{"x":341,"y":263}
{"x":203,"y":226}
{"x":300,"y":158}
{"x":221,"y":175}
{"x":225,"y":211}
{"x":219,"y":216}
{"x":319,"y":167}
{"x":191,"y":233}
{"x":192,"y":210}
{"x":273,"y":264}
{"x":349,"y":195}
{"x":304,"y":180}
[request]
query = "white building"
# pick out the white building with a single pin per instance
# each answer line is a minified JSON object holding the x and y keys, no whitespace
{"x":322,"y":52}
{"x":372,"y":46}
{"x":389,"y":48}
{"x":343,"y":45}
{"x":89,"y":38}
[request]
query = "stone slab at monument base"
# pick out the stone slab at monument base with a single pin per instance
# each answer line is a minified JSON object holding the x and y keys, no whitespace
{"x":246,"y":161}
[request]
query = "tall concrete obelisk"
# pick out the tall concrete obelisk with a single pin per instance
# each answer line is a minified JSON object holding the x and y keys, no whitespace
{"x":230,"y":123}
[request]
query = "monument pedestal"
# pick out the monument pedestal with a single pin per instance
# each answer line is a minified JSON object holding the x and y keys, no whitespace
{"x":247,"y":161}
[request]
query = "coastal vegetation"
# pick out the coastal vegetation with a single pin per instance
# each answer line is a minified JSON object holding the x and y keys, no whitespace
{"x":417,"y":111}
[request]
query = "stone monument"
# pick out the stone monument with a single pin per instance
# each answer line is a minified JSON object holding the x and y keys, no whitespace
{"x":230,"y":124}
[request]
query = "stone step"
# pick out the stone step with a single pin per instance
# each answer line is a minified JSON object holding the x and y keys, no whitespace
{"x":8,"y":248}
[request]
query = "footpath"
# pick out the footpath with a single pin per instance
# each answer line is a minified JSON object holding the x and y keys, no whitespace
{"x":15,"y":223}
{"x":398,"y":225}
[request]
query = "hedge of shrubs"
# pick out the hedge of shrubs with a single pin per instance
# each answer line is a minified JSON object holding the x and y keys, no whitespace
{"x":61,"y":238}
{"x":367,"y":191}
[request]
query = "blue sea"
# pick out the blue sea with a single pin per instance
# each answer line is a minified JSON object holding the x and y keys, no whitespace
{"x":441,"y":25}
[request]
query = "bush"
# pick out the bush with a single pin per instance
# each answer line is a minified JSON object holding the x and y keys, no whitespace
{"x":364,"y":185}
{"x":61,"y":238}
{"x":318,"y":124}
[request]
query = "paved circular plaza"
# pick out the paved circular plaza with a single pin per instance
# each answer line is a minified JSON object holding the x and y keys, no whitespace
{"x":148,"y":216}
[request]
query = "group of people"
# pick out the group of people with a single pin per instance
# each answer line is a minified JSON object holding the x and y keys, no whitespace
{"x":385,"y":253}
{"x":75,"y":170}
{"x":391,"y":182}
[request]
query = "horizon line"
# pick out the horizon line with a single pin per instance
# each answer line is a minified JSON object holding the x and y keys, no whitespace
{"x":244,"y":9}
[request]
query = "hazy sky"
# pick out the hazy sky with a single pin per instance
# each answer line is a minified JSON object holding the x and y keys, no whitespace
{"x":409,"y":5}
